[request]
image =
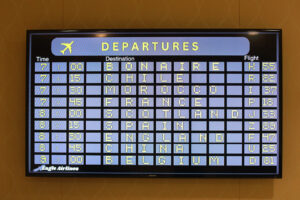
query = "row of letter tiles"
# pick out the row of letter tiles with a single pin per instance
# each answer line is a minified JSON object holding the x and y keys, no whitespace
{"x":160,"y":113}
{"x":148,"y":90}
{"x":160,"y":102}
{"x":160,"y":125}
{"x":160,"y":148}
{"x":195,"y":102}
{"x":159,"y":137}
{"x":149,"y":66}
{"x":160,"y":78}
{"x":160,"y":160}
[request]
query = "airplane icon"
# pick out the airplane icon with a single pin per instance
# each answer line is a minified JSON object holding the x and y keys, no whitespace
{"x":68,"y":46}
{"x":39,"y":168}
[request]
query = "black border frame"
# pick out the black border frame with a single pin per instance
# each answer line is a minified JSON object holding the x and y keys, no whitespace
{"x":157,"y":175}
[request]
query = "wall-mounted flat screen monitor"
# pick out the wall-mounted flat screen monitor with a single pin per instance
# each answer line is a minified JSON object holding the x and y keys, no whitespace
{"x":154,"y":103}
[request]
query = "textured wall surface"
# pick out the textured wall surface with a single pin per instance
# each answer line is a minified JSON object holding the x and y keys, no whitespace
{"x":16,"y":16}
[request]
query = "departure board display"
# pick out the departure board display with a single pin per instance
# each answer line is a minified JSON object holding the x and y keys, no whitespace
{"x":152,"y":103}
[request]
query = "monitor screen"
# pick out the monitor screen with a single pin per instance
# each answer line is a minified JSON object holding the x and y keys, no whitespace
{"x":154,"y":103}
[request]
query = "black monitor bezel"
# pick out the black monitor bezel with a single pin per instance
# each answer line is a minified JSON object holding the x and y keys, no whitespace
{"x":169,"y":175}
